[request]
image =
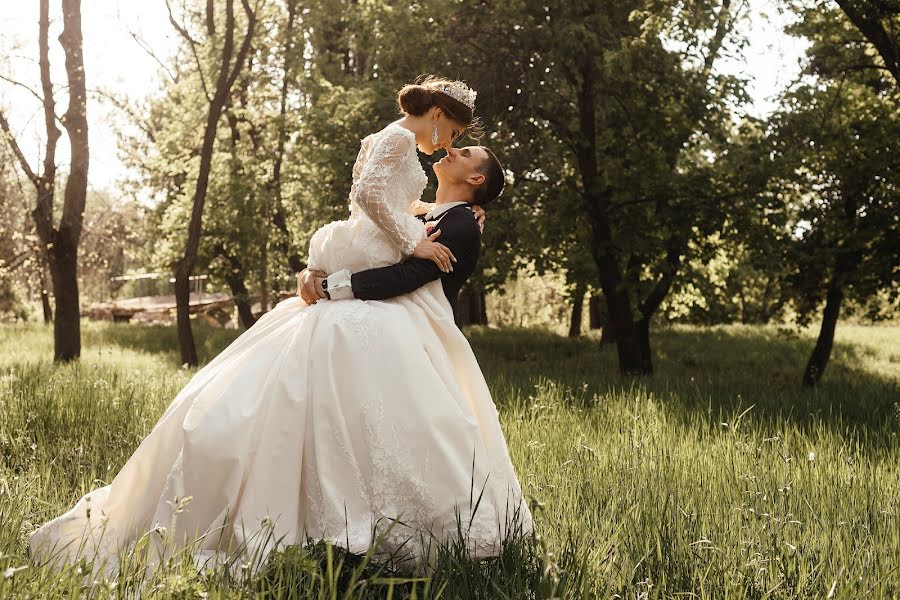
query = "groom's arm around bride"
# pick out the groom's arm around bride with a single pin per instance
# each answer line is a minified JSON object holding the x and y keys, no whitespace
{"x":459,"y":232}
{"x":467,"y":176}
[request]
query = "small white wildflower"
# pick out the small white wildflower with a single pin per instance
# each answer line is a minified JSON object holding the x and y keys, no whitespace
{"x":10,"y":571}
{"x":811,"y":457}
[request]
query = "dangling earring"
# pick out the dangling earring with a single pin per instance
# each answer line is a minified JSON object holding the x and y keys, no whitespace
{"x":434,"y":135}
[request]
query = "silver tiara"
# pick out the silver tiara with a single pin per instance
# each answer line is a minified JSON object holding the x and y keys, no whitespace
{"x":460,"y":91}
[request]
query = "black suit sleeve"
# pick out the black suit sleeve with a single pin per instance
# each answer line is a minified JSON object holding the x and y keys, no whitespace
{"x":459,"y":232}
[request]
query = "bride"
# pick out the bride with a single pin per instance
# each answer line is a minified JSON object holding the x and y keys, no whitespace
{"x":345,"y":420}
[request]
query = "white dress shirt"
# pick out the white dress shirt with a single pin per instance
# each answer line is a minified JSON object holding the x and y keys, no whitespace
{"x":439,"y":210}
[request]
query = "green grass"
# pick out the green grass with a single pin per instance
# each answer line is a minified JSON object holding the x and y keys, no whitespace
{"x":719,"y":477}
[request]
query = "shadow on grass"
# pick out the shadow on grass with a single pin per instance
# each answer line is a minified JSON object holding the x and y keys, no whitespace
{"x":716,"y":370}
{"x":161,"y":339}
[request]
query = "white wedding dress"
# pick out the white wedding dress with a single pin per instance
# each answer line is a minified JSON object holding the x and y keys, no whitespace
{"x":328,"y":421}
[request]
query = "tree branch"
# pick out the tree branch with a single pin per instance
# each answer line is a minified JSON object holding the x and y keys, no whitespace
{"x":53,"y":132}
{"x":210,"y":18}
{"x":723,"y":26}
{"x":146,"y":48}
{"x":874,"y":32}
{"x":192,"y":44}
{"x":617,"y":205}
{"x":864,"y":67}
{"x":11,"y":140}
{"x":23,"y":86}
{"x":245,"y":45}
{"x":122,"y":105}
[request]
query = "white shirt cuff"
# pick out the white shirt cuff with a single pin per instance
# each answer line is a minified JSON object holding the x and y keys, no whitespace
{"x":339,"y":286}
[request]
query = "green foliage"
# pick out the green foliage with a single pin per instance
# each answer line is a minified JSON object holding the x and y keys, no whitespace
{"x":662,"y":133}
{"x":836,"y":173}
{"x":722,"y":216}
{"x":20,"y":267}
{"x":111,"y":243}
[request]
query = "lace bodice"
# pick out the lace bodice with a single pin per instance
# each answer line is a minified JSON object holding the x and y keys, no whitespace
{"x":387,"y":179}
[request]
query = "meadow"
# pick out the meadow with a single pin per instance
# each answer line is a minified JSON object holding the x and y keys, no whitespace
{"x":718,"y":477}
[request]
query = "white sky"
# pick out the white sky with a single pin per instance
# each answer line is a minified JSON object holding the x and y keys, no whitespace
{"x":114,"y":62}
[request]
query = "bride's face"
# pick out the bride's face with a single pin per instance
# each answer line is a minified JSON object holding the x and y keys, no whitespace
{"x":448,"y":131}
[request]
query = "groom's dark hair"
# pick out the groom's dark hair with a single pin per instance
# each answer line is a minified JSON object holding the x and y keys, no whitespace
{"x":494,"y":180}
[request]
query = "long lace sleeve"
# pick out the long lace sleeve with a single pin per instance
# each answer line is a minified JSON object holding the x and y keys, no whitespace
{"x":386,"y":157}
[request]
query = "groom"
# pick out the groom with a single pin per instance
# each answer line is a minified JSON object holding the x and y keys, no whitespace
{"x":466,"y":177}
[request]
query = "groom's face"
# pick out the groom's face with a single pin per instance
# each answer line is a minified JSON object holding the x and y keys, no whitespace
{"x":461,"y":164}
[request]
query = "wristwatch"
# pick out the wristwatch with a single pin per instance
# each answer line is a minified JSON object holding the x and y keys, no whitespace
{"x":325,"y":288}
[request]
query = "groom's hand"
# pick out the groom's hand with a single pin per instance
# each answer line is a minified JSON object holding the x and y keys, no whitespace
{"x":309,"y":285}
{"x":479,"y":215}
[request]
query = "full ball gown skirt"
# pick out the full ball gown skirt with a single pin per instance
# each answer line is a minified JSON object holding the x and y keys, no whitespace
{"x":335,"y":421}
{"x":327,"y":421}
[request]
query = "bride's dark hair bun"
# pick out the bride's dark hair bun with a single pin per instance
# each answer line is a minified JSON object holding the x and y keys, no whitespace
{"x":415,"y":99}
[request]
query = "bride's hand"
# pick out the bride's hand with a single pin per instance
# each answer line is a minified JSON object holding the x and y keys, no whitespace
{"x":479,"y":215}
{"x":437,"y":252}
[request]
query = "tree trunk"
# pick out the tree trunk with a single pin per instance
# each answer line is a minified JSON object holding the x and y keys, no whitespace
{"x":847,"y":262}
{"x":742,"y":300}
{"x":45,"y":304}
{"x":654,"y":299}
{"x":43,"y":279}
{"x":577,"y":311}
{"x":617,"y":303}
{"x":608,"y":334}
{"x":595,"y":312}
{"x":237,"y":283}
{"x":482,"y":304}
{"x":822,"y":351}
{"x":643,"y":331}
{"x":67,"y":321}
{"x":764,"y":313}
{"x":64,"y":253}
{"x":186,"y":343}
{"x":264,"y":279}
{"x":284,"y":246}
{"x":471,"y":308}
{"x":185,"y":265}
{"x":241,"y":299}
{"x":596,"y":196}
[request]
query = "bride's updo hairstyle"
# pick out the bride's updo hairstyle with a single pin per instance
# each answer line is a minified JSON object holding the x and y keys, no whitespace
{"x":417,"y":98}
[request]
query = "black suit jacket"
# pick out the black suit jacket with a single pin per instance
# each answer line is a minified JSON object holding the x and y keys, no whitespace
{"x":459,"y":232}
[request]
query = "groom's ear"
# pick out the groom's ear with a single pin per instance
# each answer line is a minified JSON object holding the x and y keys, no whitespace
{"x":476,"y":179}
